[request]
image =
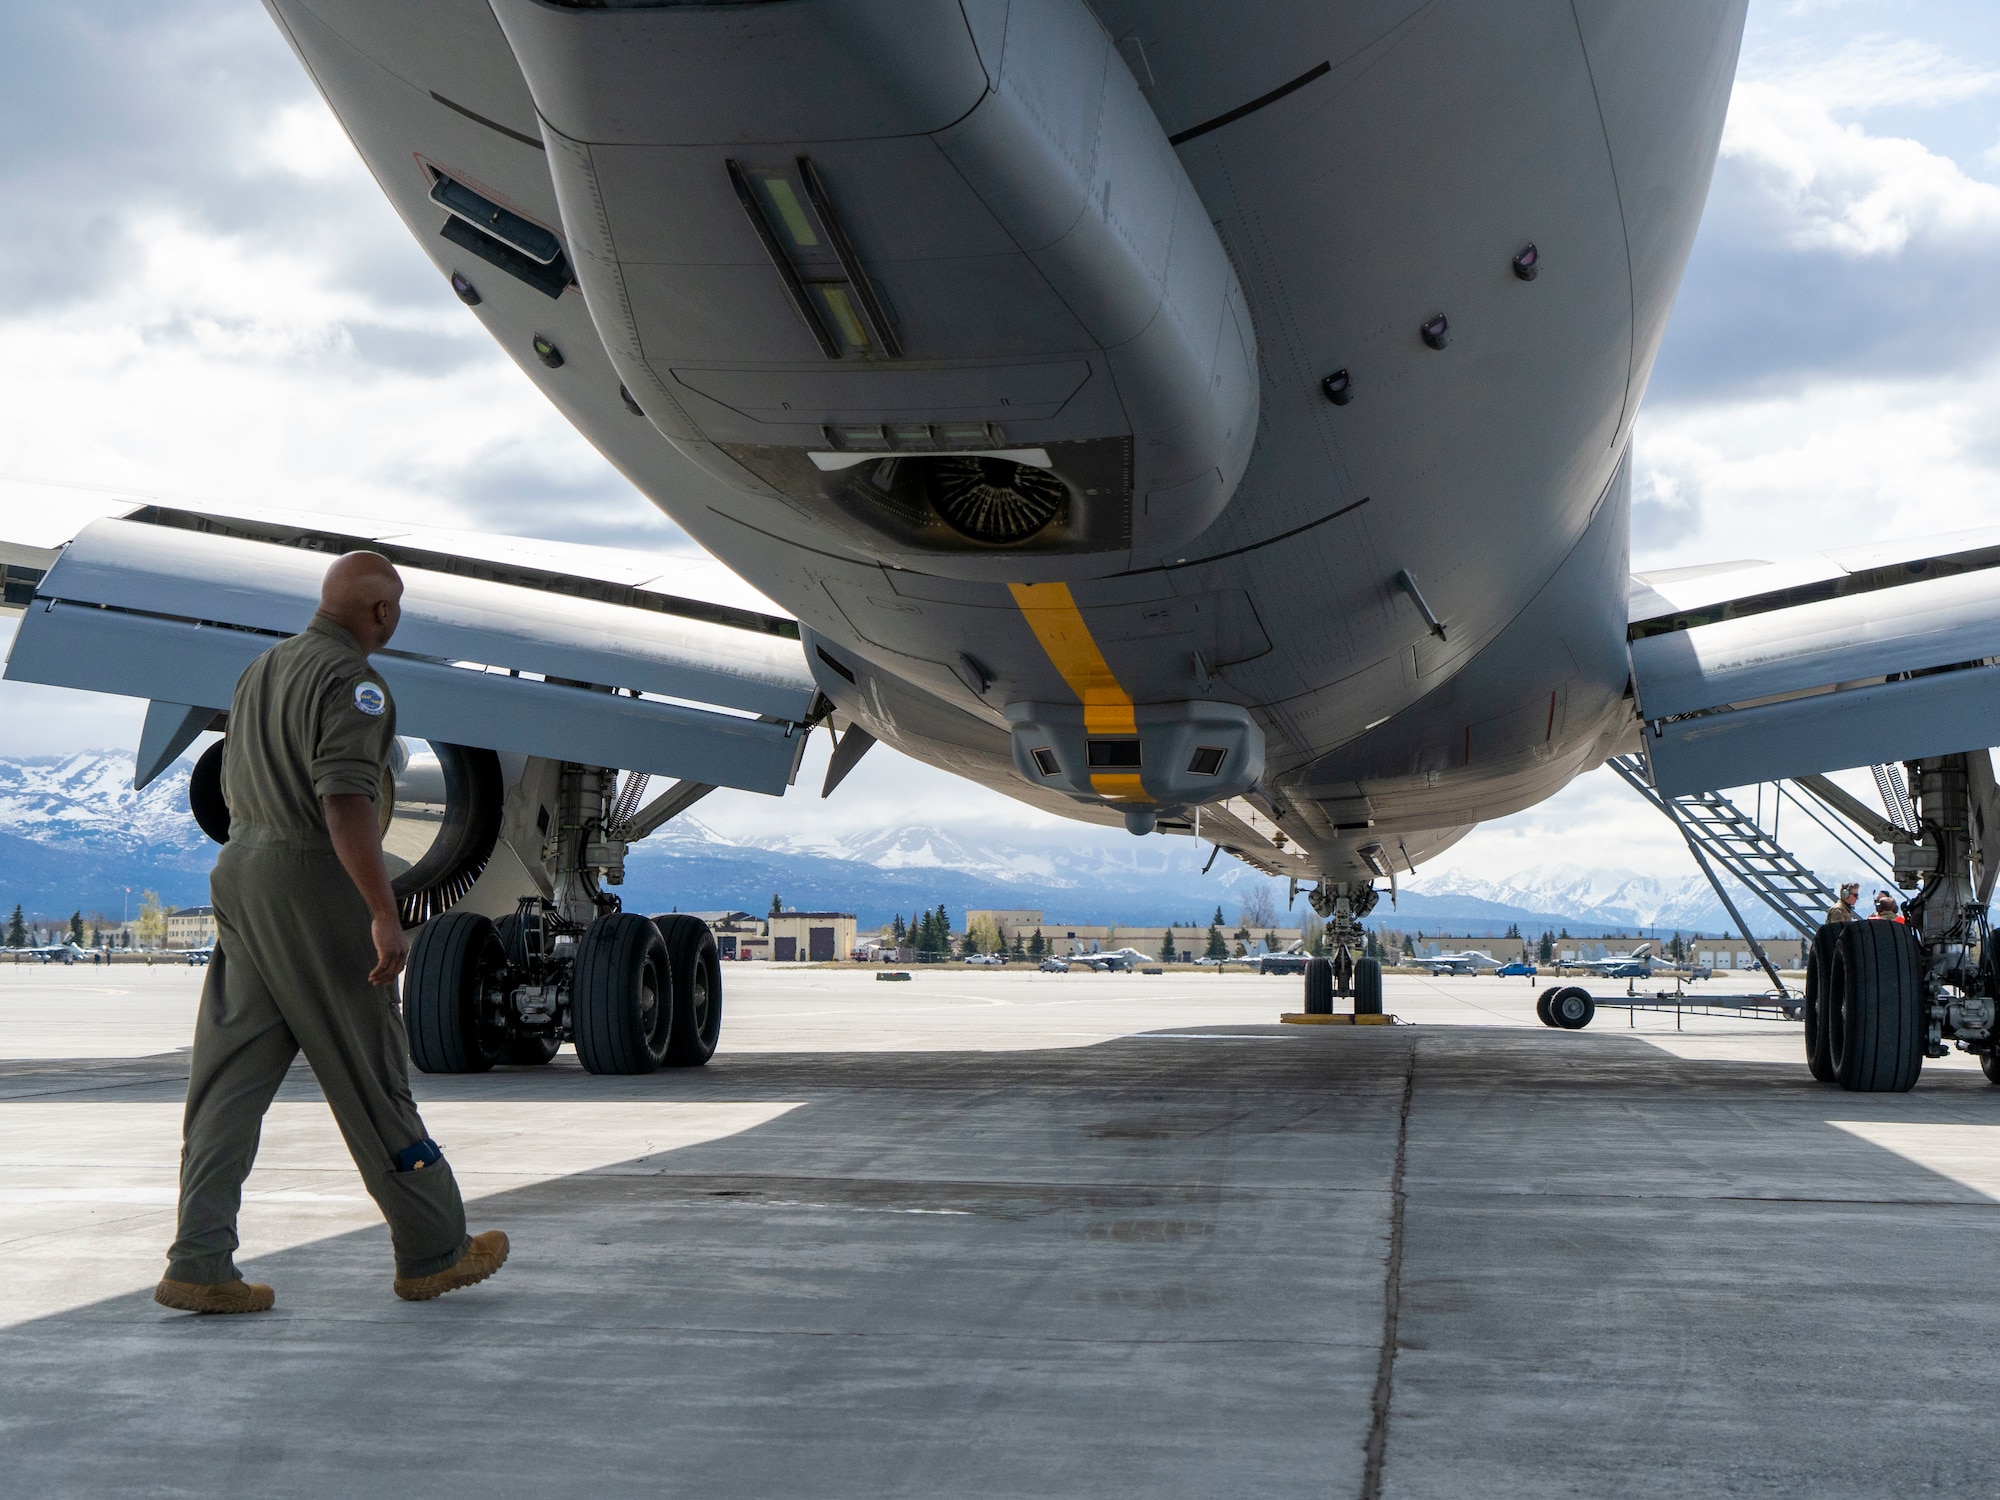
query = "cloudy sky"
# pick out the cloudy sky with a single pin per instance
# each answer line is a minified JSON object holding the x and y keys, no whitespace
{"x":203,"y":296}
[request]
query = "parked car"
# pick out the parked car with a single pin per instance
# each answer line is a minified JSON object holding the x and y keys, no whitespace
{"x":1283,"y":963}
{"x":1055,"y":966}
{"x":1516,"y":971}
{"x":984,"y":958}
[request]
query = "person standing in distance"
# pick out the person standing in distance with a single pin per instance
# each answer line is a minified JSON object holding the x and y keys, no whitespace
{"x":308,"y":946}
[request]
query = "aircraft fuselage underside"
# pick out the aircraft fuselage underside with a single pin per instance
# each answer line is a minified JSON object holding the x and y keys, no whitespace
{"x":994,"y":341}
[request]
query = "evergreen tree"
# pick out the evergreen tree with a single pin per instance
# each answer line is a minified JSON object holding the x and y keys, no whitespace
{"x":1037,"y":949}
{"x":76,"y":928}
{"x":1513,"y":929}
{"x":944,"y":929}
{"x":1167,"y":947}
{"x":777,"y":906}
{"x":1217,"y":948}
{"x":897,"y":932}
{"x":17,"y":931}
{"x":1547,"y":951}
{"x":1017,"y":951}
{"x":1409,"y":948}
{"x":1371,"y":945}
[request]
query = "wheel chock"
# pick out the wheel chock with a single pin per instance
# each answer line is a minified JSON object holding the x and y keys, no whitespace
{"x":1299,"y":1018}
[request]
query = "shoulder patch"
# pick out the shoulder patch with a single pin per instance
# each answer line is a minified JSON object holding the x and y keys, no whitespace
{"x":369,"y":697}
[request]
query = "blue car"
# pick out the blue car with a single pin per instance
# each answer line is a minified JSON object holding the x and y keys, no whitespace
{"x":1516,"y":971}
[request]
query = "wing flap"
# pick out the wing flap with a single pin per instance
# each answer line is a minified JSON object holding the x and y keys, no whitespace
{"x":175,"y":615}
{"x":1895,"y":657}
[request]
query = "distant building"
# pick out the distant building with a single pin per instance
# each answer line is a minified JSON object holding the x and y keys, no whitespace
{"x":738,"y":935}
{"x":191,"y":927}
{"x":816,"y":937}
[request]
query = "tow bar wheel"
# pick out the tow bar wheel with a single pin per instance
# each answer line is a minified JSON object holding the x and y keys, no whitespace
{"x":622,"y":1003}
{"x":1572,"y":1009}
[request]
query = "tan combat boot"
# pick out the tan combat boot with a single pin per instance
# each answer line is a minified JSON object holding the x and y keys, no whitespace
{"x":487,"y":1255}
{"x":237,"y":1296}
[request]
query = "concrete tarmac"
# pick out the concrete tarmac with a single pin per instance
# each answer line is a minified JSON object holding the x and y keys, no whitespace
{"x":1004,"y":1234}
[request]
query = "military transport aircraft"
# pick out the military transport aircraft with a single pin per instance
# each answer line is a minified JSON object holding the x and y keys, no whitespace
{"x":1191,"y":417}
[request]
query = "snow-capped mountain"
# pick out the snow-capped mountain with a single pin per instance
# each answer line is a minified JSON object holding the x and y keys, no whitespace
{"x":1084,"y":858}
{"x":1622,"y":898}
{"x":87,"y":799}
{"x":74,"y":834}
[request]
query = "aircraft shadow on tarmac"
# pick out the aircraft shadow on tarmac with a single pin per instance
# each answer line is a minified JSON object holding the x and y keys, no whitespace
{"x":1123,"y":1268}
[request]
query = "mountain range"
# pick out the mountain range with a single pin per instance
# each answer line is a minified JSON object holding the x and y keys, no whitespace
{"x":73,"y":834}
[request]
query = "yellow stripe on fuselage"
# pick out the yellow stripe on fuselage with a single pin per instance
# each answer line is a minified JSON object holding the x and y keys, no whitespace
{"x":1107,"y":708}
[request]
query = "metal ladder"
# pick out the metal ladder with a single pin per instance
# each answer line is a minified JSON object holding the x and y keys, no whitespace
{"x":1720,"y":834}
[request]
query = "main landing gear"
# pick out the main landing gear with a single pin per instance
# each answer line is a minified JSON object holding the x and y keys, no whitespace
{"x":1881,"y":996}
{"x":633,"y":993}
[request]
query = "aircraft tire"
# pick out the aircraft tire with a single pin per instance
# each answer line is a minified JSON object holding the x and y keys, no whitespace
{"x":696,"y":974}
{"x":1572,"y":1008}
{"x":1875,"y":1005}
{"x":1368,"y":987}
{"x":1319,"y":986}
{"x":450,"y":959}
{"x":1542,"y":1006}
{"x":1989,"y":1064}
{"x":621,"y":998}
{"x":1819,"y":965}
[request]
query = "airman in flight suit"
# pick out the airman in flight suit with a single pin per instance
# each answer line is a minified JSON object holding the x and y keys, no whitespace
{"x":308,"y":946}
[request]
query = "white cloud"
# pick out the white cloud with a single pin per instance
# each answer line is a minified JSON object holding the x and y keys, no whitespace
{"x":1831,"y":463}
{"x":1834,"y":186}
{"x":305,"y":141}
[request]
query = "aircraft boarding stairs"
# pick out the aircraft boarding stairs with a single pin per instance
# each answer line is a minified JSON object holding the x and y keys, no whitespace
{"x":1726,"y":841}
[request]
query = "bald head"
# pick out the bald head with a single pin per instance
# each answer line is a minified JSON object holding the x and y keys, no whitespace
{"x":363,"y":595}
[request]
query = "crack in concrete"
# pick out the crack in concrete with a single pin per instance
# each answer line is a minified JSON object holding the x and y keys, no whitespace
{"x":1392,"y":1297}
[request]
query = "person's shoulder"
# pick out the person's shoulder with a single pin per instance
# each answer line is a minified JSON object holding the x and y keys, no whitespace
{"x":347,"y":678}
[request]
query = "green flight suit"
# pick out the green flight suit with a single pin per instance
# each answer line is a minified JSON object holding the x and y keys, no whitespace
{"x":293,"y":949}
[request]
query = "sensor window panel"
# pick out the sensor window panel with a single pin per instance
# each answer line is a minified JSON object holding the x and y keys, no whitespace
{"x":531,"y":239}
{"x":1114,"y":755}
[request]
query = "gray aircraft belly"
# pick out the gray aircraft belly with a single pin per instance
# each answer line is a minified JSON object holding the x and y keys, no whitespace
{"x":1392,"y":186}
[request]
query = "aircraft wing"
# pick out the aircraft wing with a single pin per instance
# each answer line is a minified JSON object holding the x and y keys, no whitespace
{"x":1750,"y":672}
{"x":625,"y":666}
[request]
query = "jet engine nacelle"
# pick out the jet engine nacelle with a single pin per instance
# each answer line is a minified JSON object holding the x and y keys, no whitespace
{"x":929,"y":270}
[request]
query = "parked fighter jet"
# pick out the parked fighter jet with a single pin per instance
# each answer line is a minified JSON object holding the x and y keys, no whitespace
{"x":1163,"y":420}
{"x":1116,"y":961}
{"x":1457,"y":963}
{"x":65,"y":952}
{"x":1637,"y":964}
